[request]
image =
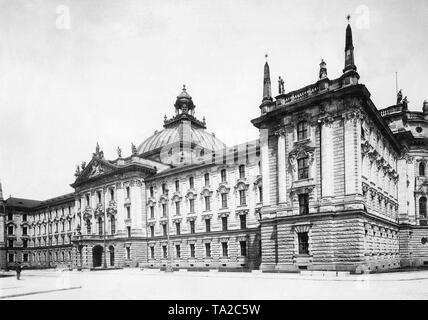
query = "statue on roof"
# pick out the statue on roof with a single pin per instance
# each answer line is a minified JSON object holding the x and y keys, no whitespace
{"x":83,"y":165}
{"x":134,"y":149}
{"x":78,"y":172}
{"x":405,"y":103}
{"x":399,"y":96}
{"x":119,"y":152}
{"x":281,"y":86}
{"x":98,"y":152}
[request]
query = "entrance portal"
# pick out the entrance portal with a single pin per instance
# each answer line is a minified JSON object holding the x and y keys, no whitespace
{"x":97,"y":254}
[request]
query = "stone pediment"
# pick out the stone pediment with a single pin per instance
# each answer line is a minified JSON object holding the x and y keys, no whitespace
{"x":96,"y":167}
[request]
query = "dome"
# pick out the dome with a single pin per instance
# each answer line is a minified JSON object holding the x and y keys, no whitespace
{"x":168,"y":136}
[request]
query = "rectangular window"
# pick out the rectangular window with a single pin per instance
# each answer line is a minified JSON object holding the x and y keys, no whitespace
{"x":224,"y":200}
{"x":191,"y":182}
{"x":192,"y":205}
{"x":165,"y":252}
{"x":192,"y":250}
{"x":177,"y":228}
{"x":152,"y":212}
{"x":10,"y":216}
{"x":207,"y":225}
{"x":207,"y":179}
{"x":10,"y":230}
{"x":24,"y":217}
{"x":303,"y":168}
{"x":224,"y":248}
{"x":112,"y":225}
{"x":128,"y":192}
{"x":128,"y":253}
{"x":224,"y":223}
{"x":241,"y":172}
{"x":177,"y":251}
{"x":243,"y":221}
{"x":223,"y":175}
{"x":10,"y":243}
{"x":128,"y":212}
{"x":192,"y":227}
{"x":152,"y":193}
{"x":111,"y":194}
{"x":177,"y":185}
{"x":152,"y":252}
{"x":302,"y":130}
{"x":303,"y":243}
{"x":243,"y":246}
{"x":208,"y":250}
{"x":24,"y":243}
{"x":98,"y":197}
{"x":177,"y":208}
{"x":11,"y":257}
{"x":152,"y":231}
{"x":163,"y":209}
{"x":25,"y":257}
{"x":163,"y":188}
{"x":260,"y":194}
{"x":164,"y":230}
{"x":129,"y":231}
{"x":207,"y":203}
{"x":304,"y":203}
{"x":242,"y":198}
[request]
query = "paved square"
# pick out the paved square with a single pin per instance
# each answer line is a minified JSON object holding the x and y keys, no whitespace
{"x":138,"y":284}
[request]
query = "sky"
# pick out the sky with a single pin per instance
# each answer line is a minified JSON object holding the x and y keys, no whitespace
{"x":74,"y":73}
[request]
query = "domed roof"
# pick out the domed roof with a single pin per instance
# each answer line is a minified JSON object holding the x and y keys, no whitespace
{"x":173,"y":135}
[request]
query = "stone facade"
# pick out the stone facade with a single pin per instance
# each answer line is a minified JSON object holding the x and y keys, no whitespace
{"x":331,"y":184}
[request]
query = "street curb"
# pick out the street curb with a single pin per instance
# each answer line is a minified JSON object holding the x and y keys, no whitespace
{"x":37,"y":292}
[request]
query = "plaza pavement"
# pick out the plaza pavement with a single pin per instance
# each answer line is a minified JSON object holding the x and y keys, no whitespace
{"x":150,"y":284}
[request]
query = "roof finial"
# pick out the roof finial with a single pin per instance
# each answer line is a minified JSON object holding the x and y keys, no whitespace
{"x":184,"y":87}
{"x":348,"y":17}
{"x":267,"y":95}
{"x":349,"y":49}
{"x":266,"y":56}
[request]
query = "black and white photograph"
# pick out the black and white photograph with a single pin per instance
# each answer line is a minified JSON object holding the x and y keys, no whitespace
{"x":213,"y":154}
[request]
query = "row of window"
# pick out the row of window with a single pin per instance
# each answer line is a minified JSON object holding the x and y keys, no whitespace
{"x":11,"y":242}
{"x":223,"y":175}
{"x":38,"y":230}
{"x":192,"y":250}
{"x":224,"y":223}
{"x":41,"y":258}
{"x":207,"y":202}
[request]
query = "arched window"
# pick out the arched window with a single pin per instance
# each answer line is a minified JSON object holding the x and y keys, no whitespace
{"x":302,"y":130}
{"x":422,"y":169}
{"x":423,"y":207}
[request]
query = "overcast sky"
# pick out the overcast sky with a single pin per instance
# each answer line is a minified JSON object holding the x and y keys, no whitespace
{"x":116,"y":71}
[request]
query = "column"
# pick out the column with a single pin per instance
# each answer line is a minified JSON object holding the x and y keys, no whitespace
{"x":282,"y":174}
{"x":327,"y":161}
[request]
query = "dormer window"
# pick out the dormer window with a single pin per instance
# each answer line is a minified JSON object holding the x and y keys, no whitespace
{"x":223,"y":175}
{"x":302,"y":130}
{"x":241,"y":171}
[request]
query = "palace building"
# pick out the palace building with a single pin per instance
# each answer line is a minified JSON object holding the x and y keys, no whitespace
{"x":332,"y":183}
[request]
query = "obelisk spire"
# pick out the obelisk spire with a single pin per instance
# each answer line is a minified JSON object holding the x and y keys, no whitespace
{"x":1,"y":192}
{"x":349,"y":49}
{"x":267,"y":92}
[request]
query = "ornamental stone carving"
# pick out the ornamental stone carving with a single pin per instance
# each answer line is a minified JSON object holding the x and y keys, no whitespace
{"x":298,"y":153}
